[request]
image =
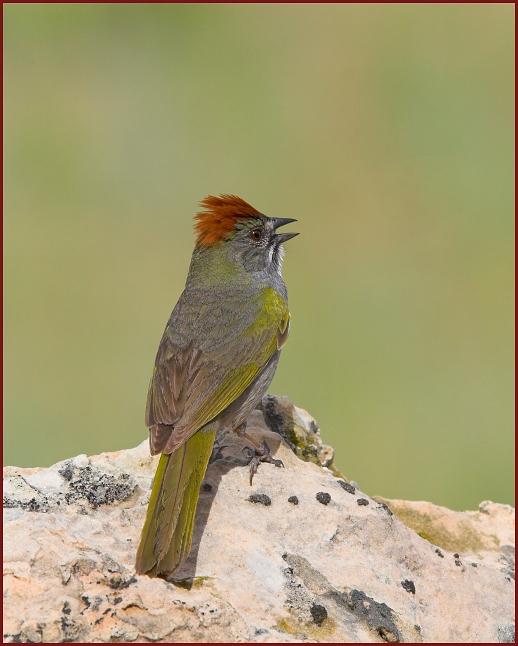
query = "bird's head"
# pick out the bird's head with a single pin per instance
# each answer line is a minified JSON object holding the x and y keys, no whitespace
{"x":249,"y":238}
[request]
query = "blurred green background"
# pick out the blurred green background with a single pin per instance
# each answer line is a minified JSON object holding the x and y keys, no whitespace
{"x":387,"y":130}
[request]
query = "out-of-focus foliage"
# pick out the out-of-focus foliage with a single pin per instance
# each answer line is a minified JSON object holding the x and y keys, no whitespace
{"x":387,"y":130}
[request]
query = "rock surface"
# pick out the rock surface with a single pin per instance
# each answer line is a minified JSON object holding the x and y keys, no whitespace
{"x":302,"y":555}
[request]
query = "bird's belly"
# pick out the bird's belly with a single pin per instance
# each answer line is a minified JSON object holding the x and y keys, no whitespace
{"x":240,"y":409}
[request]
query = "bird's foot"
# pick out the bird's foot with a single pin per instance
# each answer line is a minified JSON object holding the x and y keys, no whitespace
{"x":258,"y":455}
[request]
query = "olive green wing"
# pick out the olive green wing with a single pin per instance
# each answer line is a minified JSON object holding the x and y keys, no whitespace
{"x":214,"y":346}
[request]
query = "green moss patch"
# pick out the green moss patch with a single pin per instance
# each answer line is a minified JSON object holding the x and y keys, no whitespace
{"x":464,"y":539}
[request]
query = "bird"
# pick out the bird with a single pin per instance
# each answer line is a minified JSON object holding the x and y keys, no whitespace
{"x":217,"y":357}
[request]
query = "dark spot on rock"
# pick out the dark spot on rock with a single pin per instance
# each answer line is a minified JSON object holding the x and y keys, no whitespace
{"x":456,"y":555}
{"x":384,"y":506}
{"x":86,"y":600}
{"x":506,"y":560}
{"x":206,"y":487}
{"x":110,"y":564}
{"x":119,"y":583}
{"x":417,"y":627}
{"x":97,"y":487}
{"x":319,"y":613}
{"x":107,"y":611}
{"x":323,"y":497}
{"x":506,"y":634}
{"x":117,"y":600}
{"x":347,"y":486}
{"x":67,"y":625}
{"x":439,"y":553}
{"x":98,"y":621}
{"x":83,"y":566}
{"x":474,"y":565}
{"x":378,"y":616}
{"x":67,"y":470}
{"x":260,"y":498}
{"x":294,"y":500}
{"x":284,"y":556}
{"x":458,"y":563}
{"x":33,"y":505}
{"x":92,"y":603}
{"x":362,"y":502}
{"x":408,"y":586}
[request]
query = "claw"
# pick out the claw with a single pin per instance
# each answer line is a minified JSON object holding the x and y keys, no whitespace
{"x":256,"y":456}
{"x":253,"y":466}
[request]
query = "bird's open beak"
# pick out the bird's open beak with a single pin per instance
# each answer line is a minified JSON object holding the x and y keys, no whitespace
{"x":280,"y":222}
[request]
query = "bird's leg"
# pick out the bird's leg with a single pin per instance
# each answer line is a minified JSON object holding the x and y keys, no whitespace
{"x":260,"y":452}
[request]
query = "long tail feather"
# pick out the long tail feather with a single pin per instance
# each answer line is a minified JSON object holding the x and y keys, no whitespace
{"x":167,"y":532}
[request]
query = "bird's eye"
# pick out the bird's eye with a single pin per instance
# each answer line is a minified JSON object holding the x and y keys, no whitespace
{"x":256,"y":234}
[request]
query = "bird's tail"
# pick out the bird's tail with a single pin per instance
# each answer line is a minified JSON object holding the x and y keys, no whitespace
{"x":167,"y":532}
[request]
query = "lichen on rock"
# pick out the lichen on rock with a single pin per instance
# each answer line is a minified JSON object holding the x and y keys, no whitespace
{"x":301,"y":555}
{"x":298,"y":429}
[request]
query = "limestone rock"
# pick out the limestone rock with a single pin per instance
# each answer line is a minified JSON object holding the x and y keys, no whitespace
{"x":298,"y":429}
{"x":322,"y":561}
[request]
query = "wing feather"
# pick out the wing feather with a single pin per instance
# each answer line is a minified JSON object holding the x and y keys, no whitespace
{"x":214,"y":346}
